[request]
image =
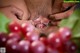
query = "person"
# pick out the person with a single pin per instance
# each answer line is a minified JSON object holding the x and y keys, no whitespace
{"x":42,"y":11}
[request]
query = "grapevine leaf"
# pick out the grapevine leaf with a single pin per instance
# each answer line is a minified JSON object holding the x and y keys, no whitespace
{"x":3,"y":23}
{"x":63,"y":22}
{"x":76,"y":30}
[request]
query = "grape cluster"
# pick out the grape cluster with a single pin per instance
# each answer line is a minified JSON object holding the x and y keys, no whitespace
{"x":23,"y":39}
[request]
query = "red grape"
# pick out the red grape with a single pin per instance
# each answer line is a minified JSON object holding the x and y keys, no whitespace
{"x":15,"y":36}
{"x":24,"y":46}
{"x":44,"y":40}
{"x":55,"y":40}
{"x":53,"y":50}
{"x":27,"y":27}
{"x":65,"y":33}
{"x":70,"y":47}
{"x":32,"y":36}
{"x":12,"y":46}
{"x":37,"y":47}
{"x":14,"y":27}
{"x":3,"y":39}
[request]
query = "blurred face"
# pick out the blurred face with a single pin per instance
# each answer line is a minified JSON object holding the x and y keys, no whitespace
{"x":36,"y":12}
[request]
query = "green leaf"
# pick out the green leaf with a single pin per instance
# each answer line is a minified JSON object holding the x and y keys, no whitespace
{"x":3,"y":23}
{"x":76,"y":30}
{"x":63,"y":22}
{"x":76,"y":36}
{"x":73,"y":22}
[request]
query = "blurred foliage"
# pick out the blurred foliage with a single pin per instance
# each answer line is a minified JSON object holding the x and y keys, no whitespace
{"x":71,"y":0}
{"x":3,"y":23}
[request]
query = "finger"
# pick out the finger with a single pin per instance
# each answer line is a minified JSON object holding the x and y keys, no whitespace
{"x":59,"y":15}
{"x":62,"y":15}
{"x":17,"y":12}
{"x":14,"y":10}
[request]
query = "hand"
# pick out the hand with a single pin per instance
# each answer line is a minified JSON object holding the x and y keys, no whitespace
{"x":14,"y":9}
{"x":66,"y":13}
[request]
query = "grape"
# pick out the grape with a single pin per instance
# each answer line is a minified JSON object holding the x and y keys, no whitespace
{"x":32,"y":36}
{"x":70,"y":47}
{"x":44,"y":40}
{"x":12,"y":46}
{"x":24,"y":46}
{"x":54,"y":40}
{"x":37,"y":47}
{"x":3,"y":39}
{"x":14,"y":27}
{"x":51,"y":50}
{"x":15,"y":36}
{"x":27,"y":27}
{"x":65,"y":33}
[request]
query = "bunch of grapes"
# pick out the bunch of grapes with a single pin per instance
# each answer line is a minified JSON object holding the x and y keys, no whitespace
{"x":23,"y":39}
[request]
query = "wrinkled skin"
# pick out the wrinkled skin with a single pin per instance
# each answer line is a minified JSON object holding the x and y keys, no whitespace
{"x":26,"y":10}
